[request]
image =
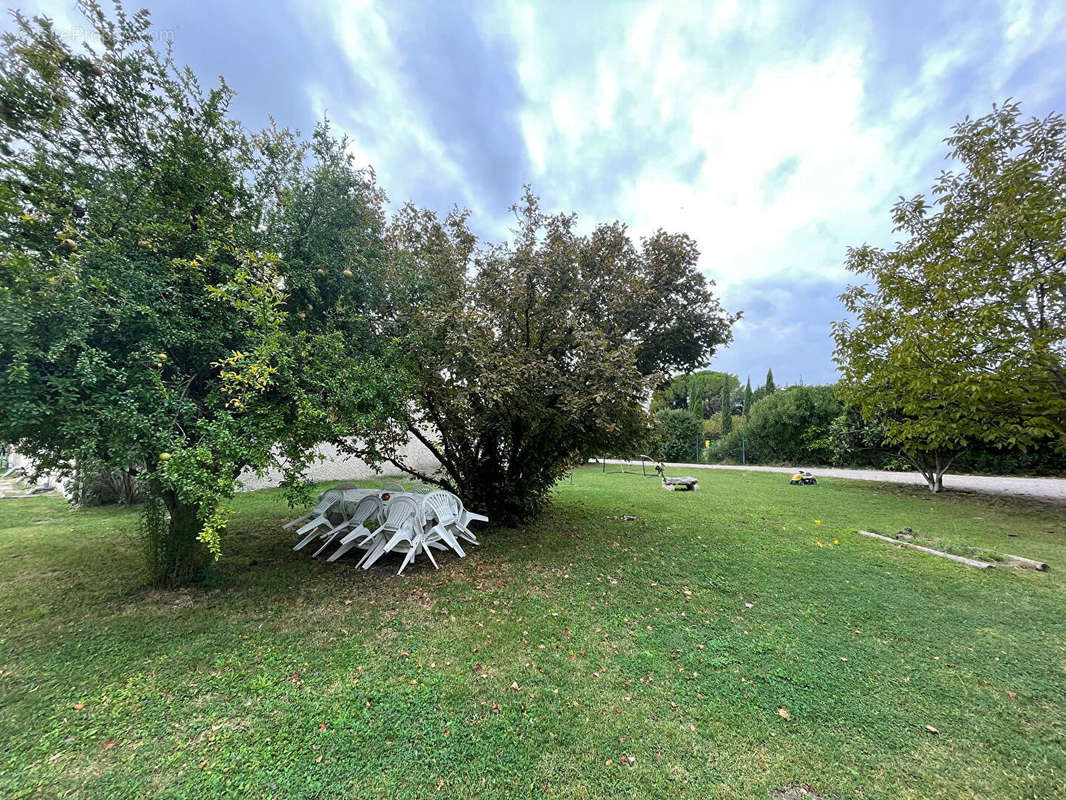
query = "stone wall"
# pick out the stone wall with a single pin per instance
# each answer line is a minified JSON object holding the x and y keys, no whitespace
{"x":334,"y":466}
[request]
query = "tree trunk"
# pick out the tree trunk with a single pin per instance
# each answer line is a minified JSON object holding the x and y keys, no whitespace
{"x":932,"y":472}
{"x":176,"y":556}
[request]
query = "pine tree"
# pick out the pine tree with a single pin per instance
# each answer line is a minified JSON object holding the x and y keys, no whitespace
{"x":748,"y":394}
{"x":770,"y":388}
{"x":727,"y":409}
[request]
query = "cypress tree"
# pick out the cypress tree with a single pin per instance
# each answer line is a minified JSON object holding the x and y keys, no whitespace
{"x":727,"y":410}
{"x":770,"y":388}
{"x":747,"y":398}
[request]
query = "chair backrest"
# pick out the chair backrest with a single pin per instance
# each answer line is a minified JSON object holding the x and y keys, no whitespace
{"x":392,"y":486}
{"x":442,"y":504}
{"x":399,"y":510}
{"x":327,"y":499}
{"x":368,"y":507}
{"x":422,"y":488}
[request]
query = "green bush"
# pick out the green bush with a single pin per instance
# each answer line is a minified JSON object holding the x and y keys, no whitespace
{"x":677,"y":434}
{"x":790,"y":426}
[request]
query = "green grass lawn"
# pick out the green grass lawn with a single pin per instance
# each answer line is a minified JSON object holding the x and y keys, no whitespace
{"x":711,"y":640}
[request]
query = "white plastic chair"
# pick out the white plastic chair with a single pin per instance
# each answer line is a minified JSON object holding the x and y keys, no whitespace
{"x":401,"y":531}
{"x":462,"y":526}
{"x":422,"y":488}
{"x":392,"y":486}
{"x":364,"y":510}
{"x":359,"y":534}
{"x":322,"y":505}
{"x":445,"y":509}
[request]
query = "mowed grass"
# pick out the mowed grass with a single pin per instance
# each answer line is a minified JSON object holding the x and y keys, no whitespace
{"x":711,"y":641}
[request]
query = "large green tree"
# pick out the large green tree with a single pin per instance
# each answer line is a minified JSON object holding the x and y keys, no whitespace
{"x":727,"y":409}
{"x":150,"y":324}
{"x":681,"y":391}
{"x":534,"y":354}
{"x":959,"y":333}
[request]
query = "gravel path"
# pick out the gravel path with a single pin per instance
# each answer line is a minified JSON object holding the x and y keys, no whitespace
{"x":1049,"y":489}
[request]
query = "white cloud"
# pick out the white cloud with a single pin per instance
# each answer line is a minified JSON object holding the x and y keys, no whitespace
{"x":727,"y":88}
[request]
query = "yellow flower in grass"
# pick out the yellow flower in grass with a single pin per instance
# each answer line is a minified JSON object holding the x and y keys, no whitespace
{"x":836,"y":541}
{"x":820,"y":544}
{"x":784,"y":528}
{"x":817,"y":522}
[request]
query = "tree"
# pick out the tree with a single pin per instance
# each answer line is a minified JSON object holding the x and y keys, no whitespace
{"x":682,"y":390}
{"x":677,"y":435}
{"x":961,"y":338}
{"x":769,"y":385}
{"x":148,"y":318}
{"x":788,"y":427}
{"x":532,"y":355}
{"x":748,"y":398}
{"x":727,"y":410}
{"x":697,"y":406}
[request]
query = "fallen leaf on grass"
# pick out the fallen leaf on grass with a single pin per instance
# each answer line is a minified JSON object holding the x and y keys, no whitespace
{"x":1010,"y":694}
{"x":108,"y":744}
{"x":932,"y":730}
{"x":322,"y":726}
{"x":783,"y":713}
{"x":79,"y":706}
{"x":608,"y":762}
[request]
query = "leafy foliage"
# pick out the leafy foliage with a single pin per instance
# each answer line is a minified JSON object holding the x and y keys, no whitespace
{"x":683,"y":391}
{"x":677,"y":435}
{"x":788,"y":426}
{"x":961,"y":337}
{"x":148,"y":319}
{"x":530,"y":356}
{"x":727,"y":409}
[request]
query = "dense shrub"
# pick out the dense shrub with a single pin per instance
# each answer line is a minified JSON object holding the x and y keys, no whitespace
{"x":677,"y":434}
{"x":787,"y":426}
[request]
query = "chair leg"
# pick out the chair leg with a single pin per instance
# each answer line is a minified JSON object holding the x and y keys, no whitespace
{"x":329,"y":538}
{"x":407,"y":559}
{"x":447,"y":536}
{"x":296,"y":521}
{"x":373,"y":555}
{"x":340,"y":551}
{"x":320,"y":519}
{"x":314,"y":534}
{"x":429,"y":552}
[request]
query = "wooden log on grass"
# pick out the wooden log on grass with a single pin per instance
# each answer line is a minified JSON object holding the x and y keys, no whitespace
{"x":970,"y":562}
{"x":1022,"y":561}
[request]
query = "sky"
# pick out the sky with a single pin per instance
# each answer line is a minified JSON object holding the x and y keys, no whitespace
{"x":777,"y":134}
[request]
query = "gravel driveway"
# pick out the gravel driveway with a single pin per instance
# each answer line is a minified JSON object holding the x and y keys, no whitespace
{"x":1051,"y":489}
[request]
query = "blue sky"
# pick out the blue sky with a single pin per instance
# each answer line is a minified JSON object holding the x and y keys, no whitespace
{"x":777,"y":133}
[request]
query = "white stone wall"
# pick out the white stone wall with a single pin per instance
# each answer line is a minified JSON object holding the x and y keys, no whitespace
{"x":334,"y":466}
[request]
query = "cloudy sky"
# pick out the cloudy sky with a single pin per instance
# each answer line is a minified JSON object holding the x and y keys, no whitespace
{"x":776,"y":133}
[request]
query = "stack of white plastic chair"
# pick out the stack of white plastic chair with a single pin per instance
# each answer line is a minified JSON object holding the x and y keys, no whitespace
{"x":317,"y":514}
{"x":445,"y":509}
{"x":358,"y":533}
{"x":365,"y":508}
{"x":461,"y":526}
{"x":403,"y":531}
